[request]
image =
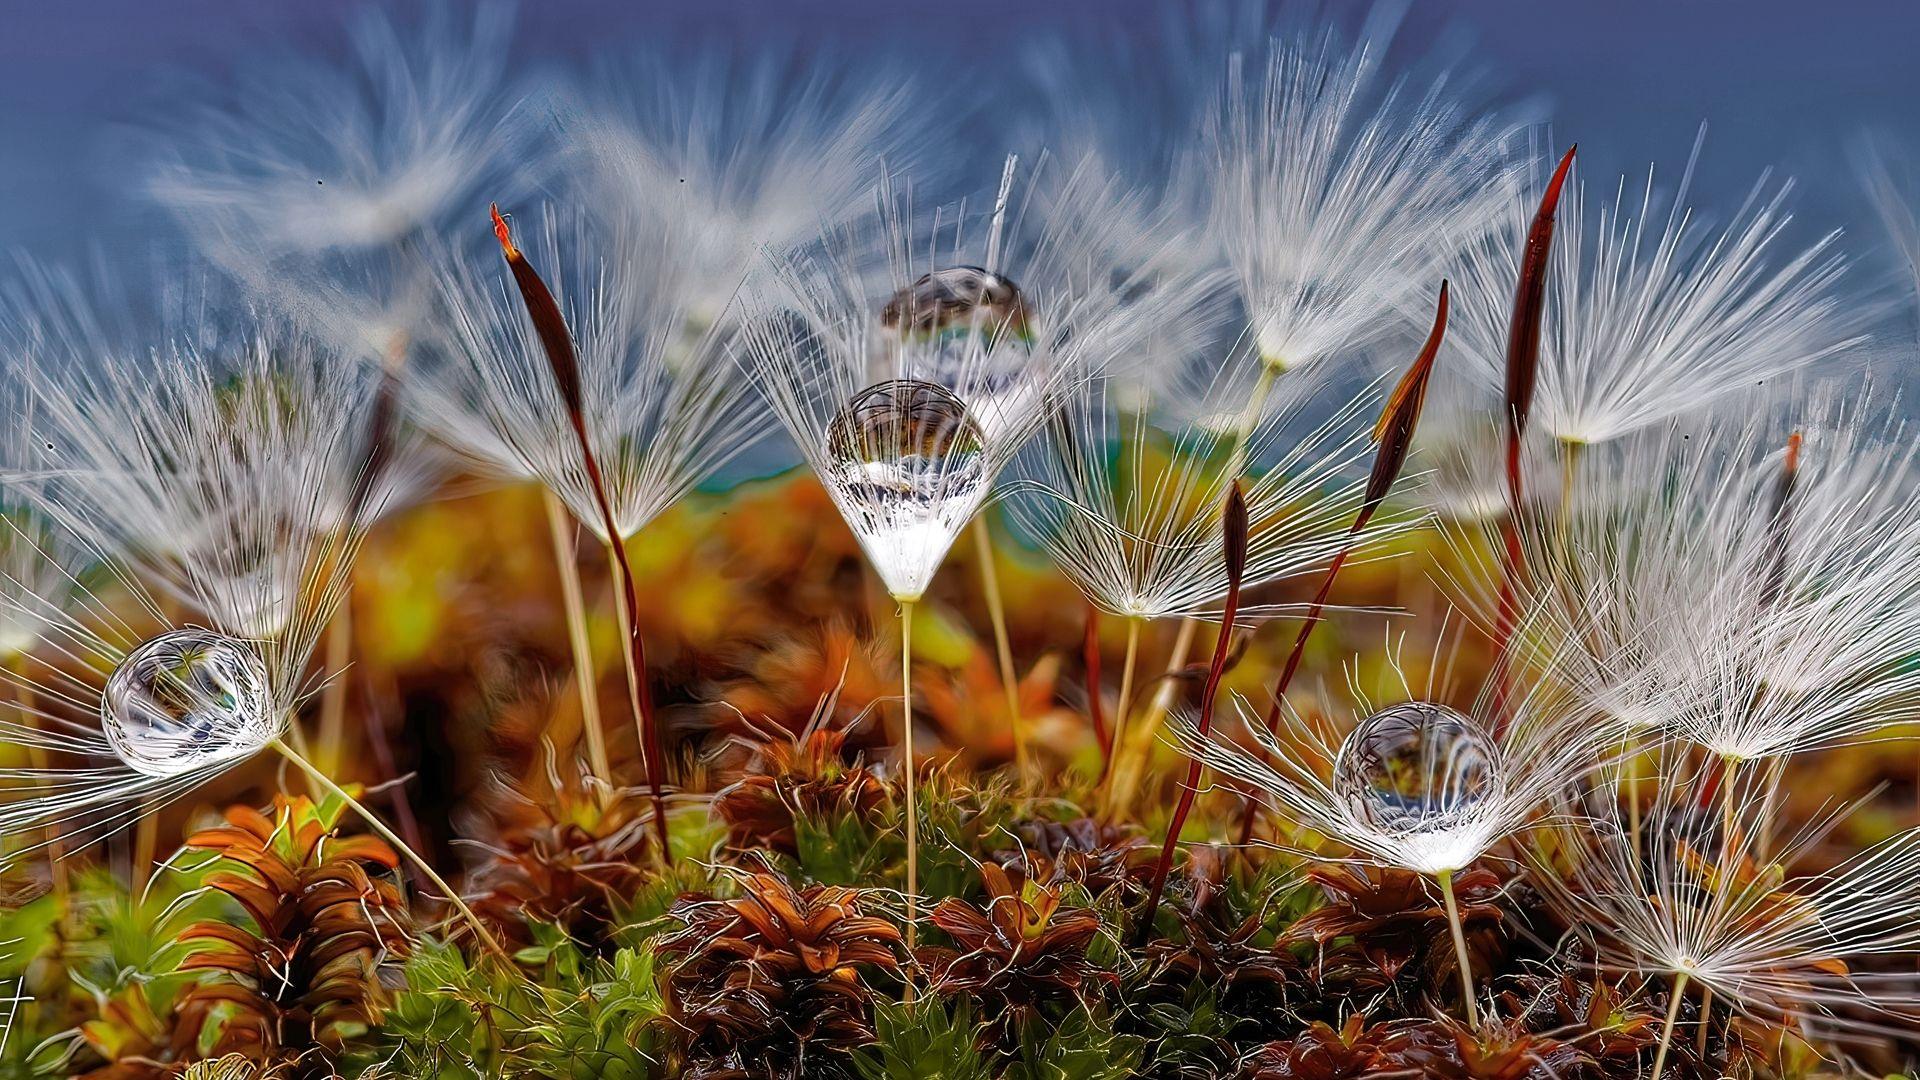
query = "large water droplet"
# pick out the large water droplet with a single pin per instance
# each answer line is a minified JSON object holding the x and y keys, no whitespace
{"x":185,"y":699}
{"x":907,"y":443}
{"x":1415,"y":767}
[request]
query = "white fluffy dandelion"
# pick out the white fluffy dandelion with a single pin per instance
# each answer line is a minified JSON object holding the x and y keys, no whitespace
{"x":1692,"y":894}
{"x":713,"y":153}
{"x":314,"y":182}
{"x":128,"y":719}
{"x":665,"y":407}
{"x":1417,"y":784}
{"x":222,"y":478}
{"x":909,"y":372}
{"x":1755,"y":594}
{"x":1651,"y":310}
{"x":1127,"y":507}
{"x":1341,"y":192}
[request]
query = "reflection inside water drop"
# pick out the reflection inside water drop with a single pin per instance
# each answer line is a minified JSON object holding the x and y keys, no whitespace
{"x":905,"y":444}
{"x":185,"y":699}
{"x":967,"y":329}
{"x":1414,"y":767}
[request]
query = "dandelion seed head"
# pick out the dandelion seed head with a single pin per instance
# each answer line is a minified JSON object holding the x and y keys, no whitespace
{"x":187,"y":698}
{"x":1685,"y":589}
{"x":1340,"y":192}
{"x":1125,"y":502}
{"x":1415,"y":785}
{"x":1712,"y":891}
{"x":717,"y":152}
{"x":663,"y":403}
{"x":1653,"y":311}
{"x":311,"y":181}
{"x":855,"y":333}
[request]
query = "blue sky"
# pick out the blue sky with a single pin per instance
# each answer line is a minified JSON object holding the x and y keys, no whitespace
{"x":1781,"y":83}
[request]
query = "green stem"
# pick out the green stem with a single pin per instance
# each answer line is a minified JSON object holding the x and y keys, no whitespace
{"x":1003,"y":645}
{"x":559,"y":526}
{"x":912,"y":781}
{"x":1124,"y":702}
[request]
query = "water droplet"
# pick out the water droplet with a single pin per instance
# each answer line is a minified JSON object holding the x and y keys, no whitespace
{"x":186,"y":699}
{"x":957,"y":301}
{"x":1415,"y":767}
{"x":967,"y":329}
{"x":906,"y":442}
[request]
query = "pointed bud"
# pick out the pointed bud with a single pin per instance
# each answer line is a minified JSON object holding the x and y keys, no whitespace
{"x":548,"y":321}
{"x":1529,"y":304}
{"x":1394,"y":431}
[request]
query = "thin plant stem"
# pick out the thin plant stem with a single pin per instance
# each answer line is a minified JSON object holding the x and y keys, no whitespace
{"x":1630,"y":759}
{"x":1445,"y":878}
{"x":1776,"y":771}
{"x":1234,"y":530}
{"x":1570,"y":452}
{"x":1130,"y":772}
{"x":330,"y":743}
{"x":1393,"y":438}
{"x":556,"y":340}
{"x":1003,"y":645}
{"x":586,"y":681}
{"x":1706,"y":1016}
{"x":1124,"y":703}
{"x":908,"y":772}
{"x":27,"y":703}
{"x":1666,"y":1029}
{"x":640,"y":701}
{"x":146,"y":843}
{"x":391,"y":837}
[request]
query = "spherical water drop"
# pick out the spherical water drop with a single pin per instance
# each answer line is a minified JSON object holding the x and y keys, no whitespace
{"x":1416,"y":767}
{"x":186,"y":699}
{"x":905,"y":444}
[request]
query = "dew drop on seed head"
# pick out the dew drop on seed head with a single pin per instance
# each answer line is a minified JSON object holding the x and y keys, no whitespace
{"x":185,"y":699}
{"x":908,"y":442}
{"x":957,"y":299}
{"x":1414,"y":767}
{"x":970,"y":330}
{"x":951,"y":326}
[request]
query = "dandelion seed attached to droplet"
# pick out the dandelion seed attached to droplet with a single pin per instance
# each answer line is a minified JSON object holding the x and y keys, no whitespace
{"x":1417,"y":767}
{"x":187,"y":699}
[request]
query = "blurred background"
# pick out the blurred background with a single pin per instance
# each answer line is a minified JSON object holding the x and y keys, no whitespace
{"x":1781,"y":84}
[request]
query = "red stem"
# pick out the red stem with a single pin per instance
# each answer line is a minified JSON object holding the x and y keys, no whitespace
{"x":1394,"y":434}
{"x":551,"y":327}
{"x":1523,"y":368}
{"x":1234,"y":540}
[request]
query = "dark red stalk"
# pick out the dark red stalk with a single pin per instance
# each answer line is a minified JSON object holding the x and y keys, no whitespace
{"x":1096,"y":711}
{"x":1233,"y":542}
{"x":1523,"y":371}
{"x":551,"y":326}
{"x":1393,"y":433}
